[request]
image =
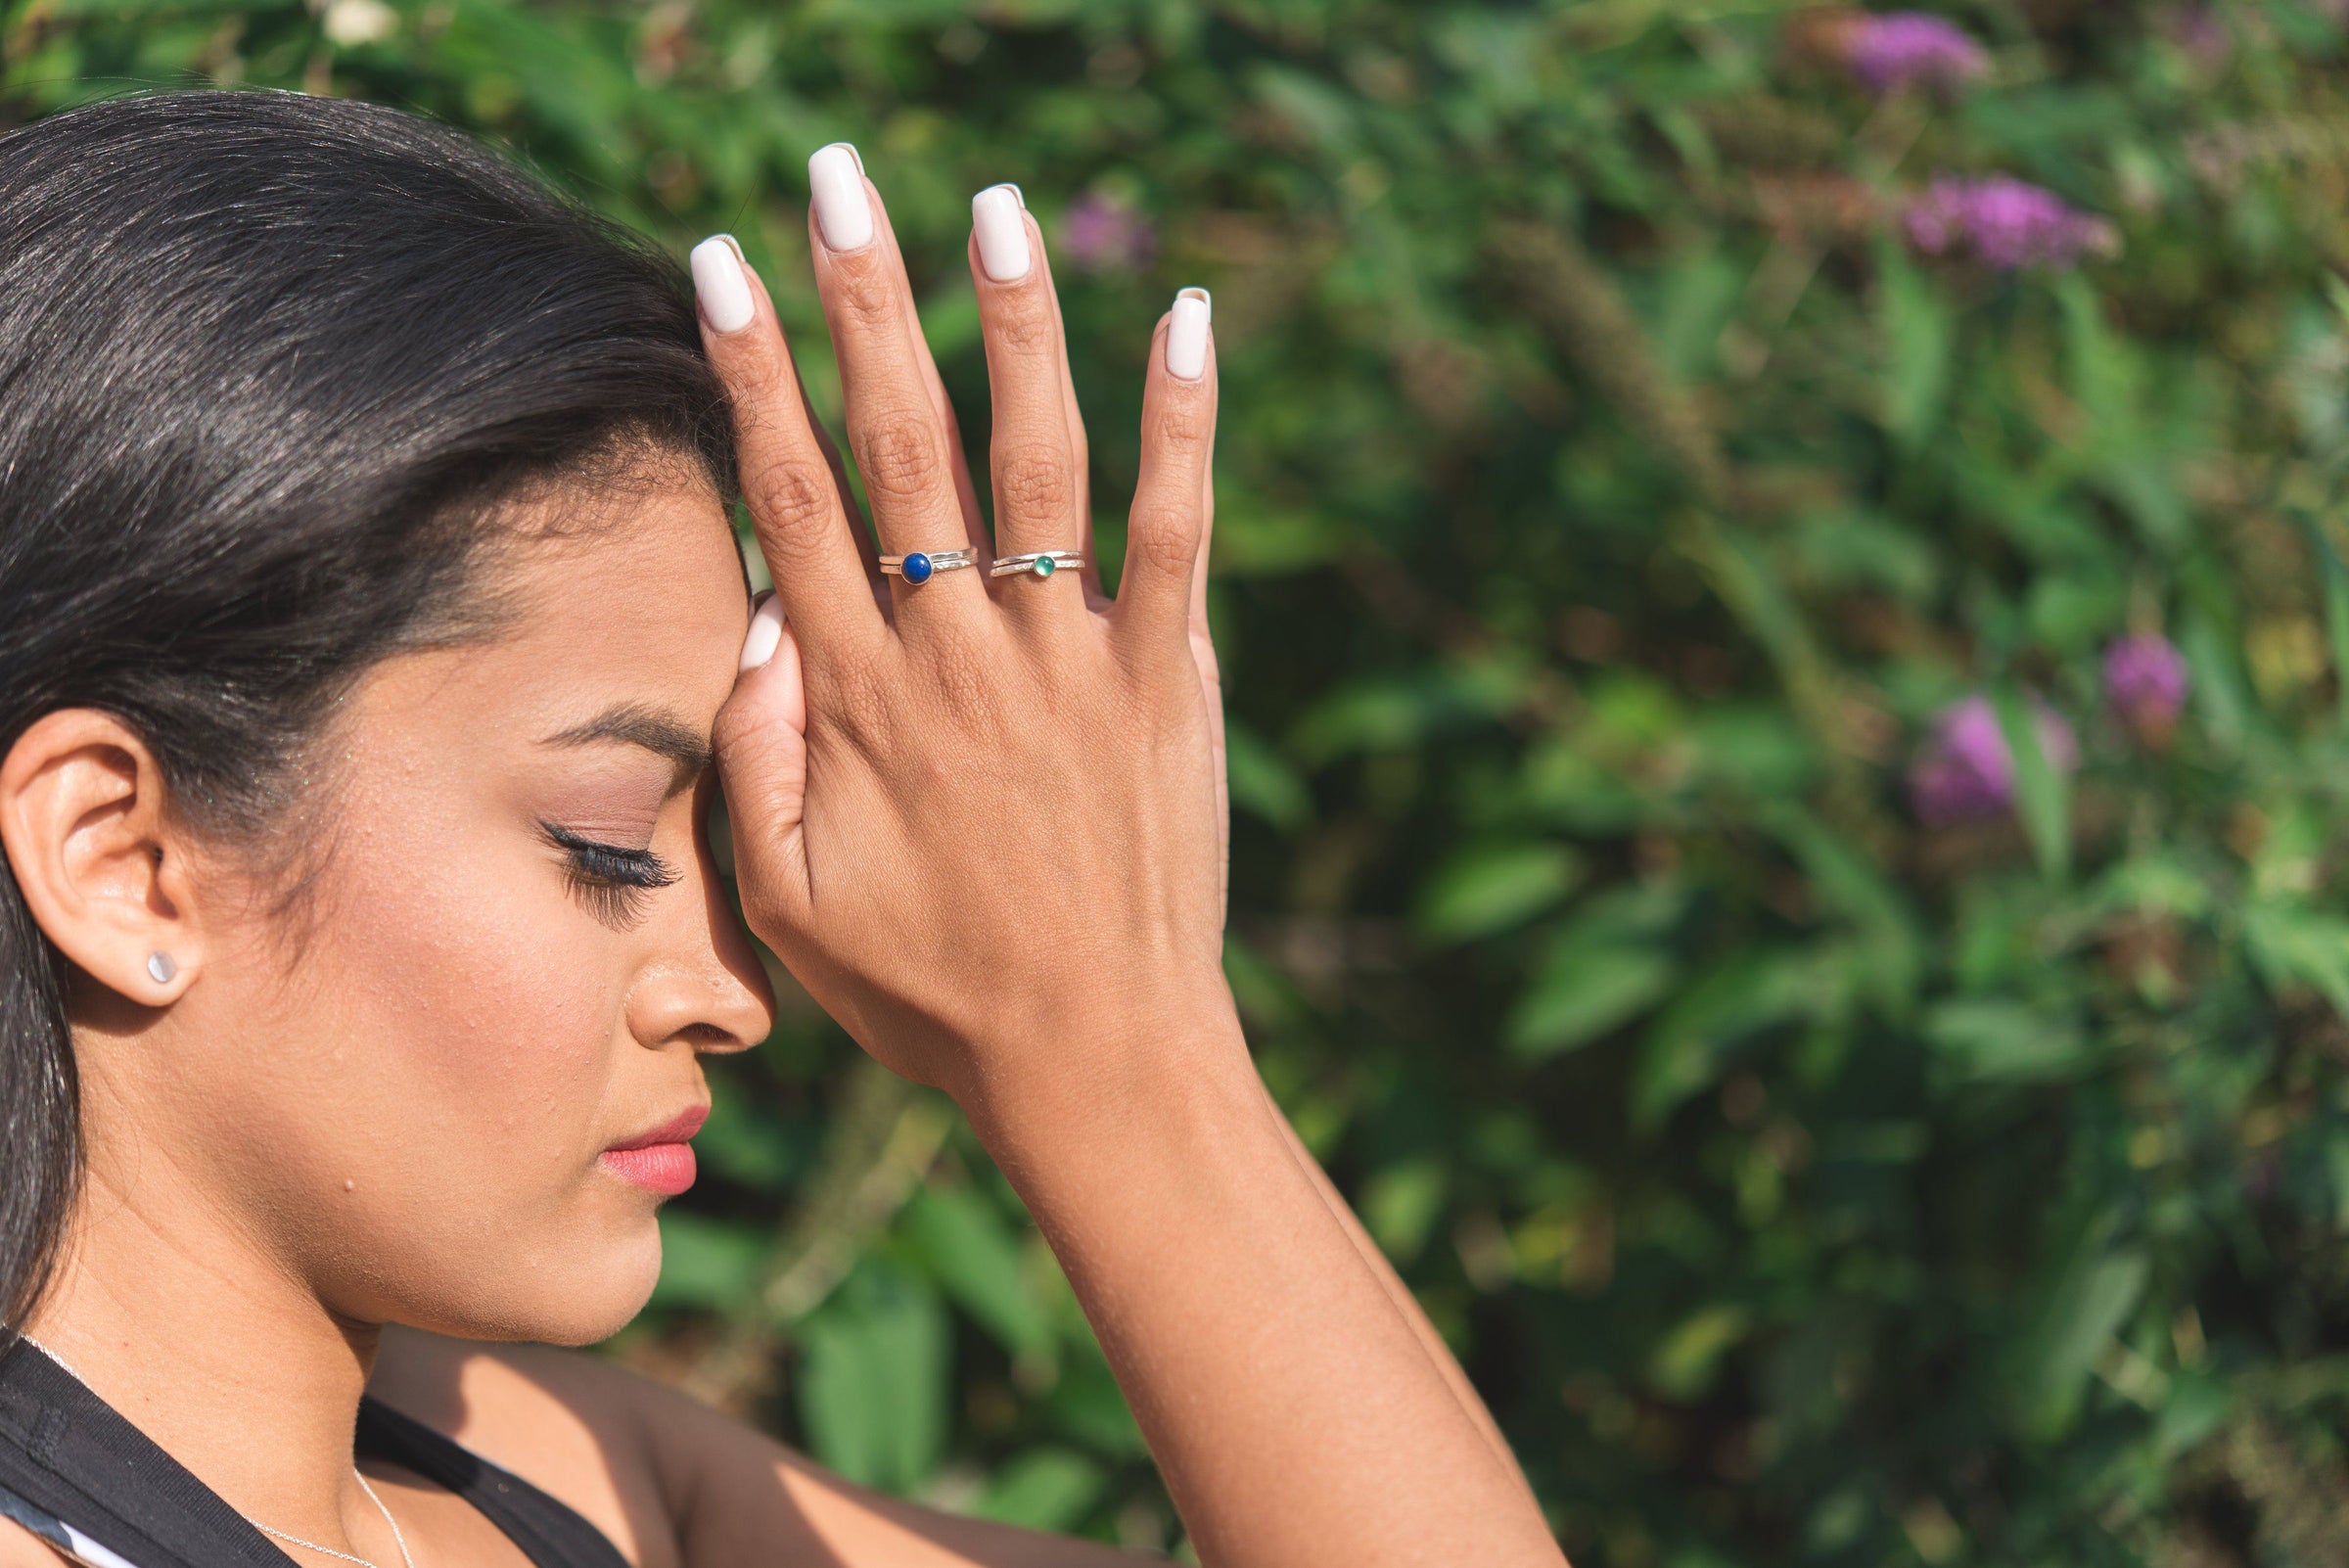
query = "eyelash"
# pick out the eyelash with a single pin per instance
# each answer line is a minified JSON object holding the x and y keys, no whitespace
{"x":611,"y":882}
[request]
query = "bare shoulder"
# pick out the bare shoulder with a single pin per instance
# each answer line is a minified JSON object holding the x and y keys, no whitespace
{"x":19,"y":1547}
{"x":567,"y":1422}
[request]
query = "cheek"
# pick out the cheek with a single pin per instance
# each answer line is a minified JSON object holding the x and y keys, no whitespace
{"x":488,"y":993}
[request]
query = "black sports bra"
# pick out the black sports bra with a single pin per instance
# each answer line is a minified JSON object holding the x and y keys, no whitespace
{"x":79,"y":1476}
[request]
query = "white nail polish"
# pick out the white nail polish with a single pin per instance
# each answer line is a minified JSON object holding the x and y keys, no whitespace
{"x":841,"y":212}
{"x":735,"y":246}
{"x":1187,"y":335}
{"x":720,"y":286}
{"x":1001,"y":223}
{"x":765,"y":634}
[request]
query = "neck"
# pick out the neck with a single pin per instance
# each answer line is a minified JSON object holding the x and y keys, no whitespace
{"x":212,"y":1348}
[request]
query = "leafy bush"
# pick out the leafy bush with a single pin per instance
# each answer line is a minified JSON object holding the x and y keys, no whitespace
{"x":1837,"y":1122}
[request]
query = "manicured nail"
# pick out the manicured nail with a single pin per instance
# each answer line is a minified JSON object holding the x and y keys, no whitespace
{"x":1186,"y":336}
{"x":735,"y":246}
{"x":841,"y":212}
{"x":765,"y":633}
{"x":1002,"y":226}
{"x":720,"y":286}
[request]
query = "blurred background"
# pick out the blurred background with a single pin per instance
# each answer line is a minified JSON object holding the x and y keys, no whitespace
{"x":1780,"y":578}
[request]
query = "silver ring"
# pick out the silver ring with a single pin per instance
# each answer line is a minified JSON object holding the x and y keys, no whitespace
{"x":918,"y":567}
{"x":1036,"y":563}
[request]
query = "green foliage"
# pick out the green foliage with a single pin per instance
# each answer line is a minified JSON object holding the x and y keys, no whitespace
{"x":1610,"y":497}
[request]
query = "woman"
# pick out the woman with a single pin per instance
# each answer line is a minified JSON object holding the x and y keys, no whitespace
{"x":372,"y":643}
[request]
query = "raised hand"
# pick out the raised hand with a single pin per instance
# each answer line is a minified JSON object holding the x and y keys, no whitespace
{"x":992,"y":809}
{"x":982,"y":818}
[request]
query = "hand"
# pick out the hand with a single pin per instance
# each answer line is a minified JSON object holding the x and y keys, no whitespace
{"x":979,"y":819}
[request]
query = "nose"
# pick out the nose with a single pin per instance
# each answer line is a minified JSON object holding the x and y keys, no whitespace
{"x":705,"y":984}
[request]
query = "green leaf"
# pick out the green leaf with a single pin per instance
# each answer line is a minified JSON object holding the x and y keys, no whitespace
{"x":1401,"y":1202}
{"x":1918,"y":330}
{"x":1042,"y":1489}
{"x":974,"y":1255}
{"x":1261,"y":781}
{"x":708,"y":1264}
{"x":2288,"y":944}
{"x":1685,"y":1050}
{"x":1584,"y":992}
{"x":1488,"y":890}
{"x":1687,"y":1359}
{"x":1995,"y":1039}
{"x":2089,"y":1303}
{"x":2042,"y":791}
{"x":872,"y":1383}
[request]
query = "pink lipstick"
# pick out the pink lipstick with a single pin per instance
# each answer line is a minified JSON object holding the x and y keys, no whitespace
{"x":659,"y":1160}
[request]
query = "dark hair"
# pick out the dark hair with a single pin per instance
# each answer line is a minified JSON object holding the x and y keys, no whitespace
{"x":265,"y":363}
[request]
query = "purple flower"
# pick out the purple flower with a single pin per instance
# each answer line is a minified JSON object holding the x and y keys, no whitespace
{"x":2146,"y":682}
{"x":1101,"y":233}
{"x":1904,"y":49}
{"x":2008,"y":222}
{"x":1965,"y":770}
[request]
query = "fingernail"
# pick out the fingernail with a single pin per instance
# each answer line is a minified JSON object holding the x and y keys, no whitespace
{"x":841,"y":212}
{"x":1001,"y":222}
{"x":735,"y":246}
{"x":719,"y":284}
{"x":1186,"y":336}
{"x":765,"y":634}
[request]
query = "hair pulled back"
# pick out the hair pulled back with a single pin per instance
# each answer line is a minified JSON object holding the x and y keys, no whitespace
{"x":265,"y":360}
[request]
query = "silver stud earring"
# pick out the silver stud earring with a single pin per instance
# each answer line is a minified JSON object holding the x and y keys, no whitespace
{"x":161,"y":968}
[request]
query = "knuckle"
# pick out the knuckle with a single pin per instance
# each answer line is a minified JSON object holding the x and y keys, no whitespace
{"x":855,"y":696}
{"x":1034,"y":478}
{"x":1176,"y":427}
{"x":899,"y":451}
{"x":863,"y":287}
{"x":1166,"y":536}
{"x":960,"y":675}
{"x":1024,"y":321}
{"x":788,"y":499}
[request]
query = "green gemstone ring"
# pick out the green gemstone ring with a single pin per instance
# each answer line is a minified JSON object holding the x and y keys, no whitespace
{"x":1038,"y":563}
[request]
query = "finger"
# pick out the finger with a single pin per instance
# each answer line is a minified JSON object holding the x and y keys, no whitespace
{"x":760,"y":739}
{"x":1211,"y":672}
{"x":866,"y":551}
{"x":896,"y":430}
{"x":1094,"y":594}
{"x":1167,"y":525}
{"x":1033,"y":460}
{"x":795,"y":503}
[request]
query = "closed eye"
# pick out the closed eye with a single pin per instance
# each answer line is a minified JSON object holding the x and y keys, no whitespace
{"x":615,"y":882}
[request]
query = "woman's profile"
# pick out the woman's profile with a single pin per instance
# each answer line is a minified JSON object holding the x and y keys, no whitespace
{"x":374,"y":645}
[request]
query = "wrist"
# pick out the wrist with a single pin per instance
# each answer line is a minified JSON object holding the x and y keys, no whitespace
{"x":1093,"y":1069}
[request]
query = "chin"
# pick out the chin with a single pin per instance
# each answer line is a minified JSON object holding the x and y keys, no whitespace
{"x":572,"y":1289}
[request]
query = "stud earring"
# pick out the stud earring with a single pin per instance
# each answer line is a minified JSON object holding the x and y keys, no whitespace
{"x":161,"y":968}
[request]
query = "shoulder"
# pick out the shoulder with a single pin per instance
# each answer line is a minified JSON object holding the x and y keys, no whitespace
{"x":19,"y":1547}
{"x":569,"y":1423}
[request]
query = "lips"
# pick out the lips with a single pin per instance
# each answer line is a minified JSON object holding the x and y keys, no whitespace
{"x":659,"y":1160}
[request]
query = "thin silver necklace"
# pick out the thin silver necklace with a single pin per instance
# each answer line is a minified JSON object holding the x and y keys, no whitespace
{"x":297,"y":1541}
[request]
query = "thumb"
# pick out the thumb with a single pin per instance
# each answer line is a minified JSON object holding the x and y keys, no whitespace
{"x":761,"y":740}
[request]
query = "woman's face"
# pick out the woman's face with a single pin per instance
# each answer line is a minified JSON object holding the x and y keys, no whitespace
{"x":406,"y":1091}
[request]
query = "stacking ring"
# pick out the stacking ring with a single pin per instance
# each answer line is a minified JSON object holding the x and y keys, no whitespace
{"x":921,"y":565}
{"x":1042,"y":563}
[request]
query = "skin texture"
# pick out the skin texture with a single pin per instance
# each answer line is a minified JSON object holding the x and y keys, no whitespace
{"x":384,"y":1108}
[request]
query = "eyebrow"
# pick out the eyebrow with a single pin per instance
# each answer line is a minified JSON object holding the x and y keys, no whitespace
{"x":635,"y":724}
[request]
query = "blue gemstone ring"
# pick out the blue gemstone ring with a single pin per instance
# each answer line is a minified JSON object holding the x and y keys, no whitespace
{"x":922,"y":565}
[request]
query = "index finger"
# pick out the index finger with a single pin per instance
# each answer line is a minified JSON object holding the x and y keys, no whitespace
{"x":787,"y":477}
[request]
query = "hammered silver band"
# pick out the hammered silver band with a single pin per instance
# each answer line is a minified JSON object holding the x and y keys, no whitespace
{"x":1036,"y":563}
{"x":920,"y":566}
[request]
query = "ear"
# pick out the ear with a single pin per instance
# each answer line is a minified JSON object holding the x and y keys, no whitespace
{"x":84,"y":829}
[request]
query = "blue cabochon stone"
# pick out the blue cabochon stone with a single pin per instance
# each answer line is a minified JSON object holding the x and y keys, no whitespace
{"x":916,"y":566}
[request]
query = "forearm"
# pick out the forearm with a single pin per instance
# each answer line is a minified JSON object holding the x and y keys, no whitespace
{"x":1294,"y":1410}
{"x":1439,"y":1354}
